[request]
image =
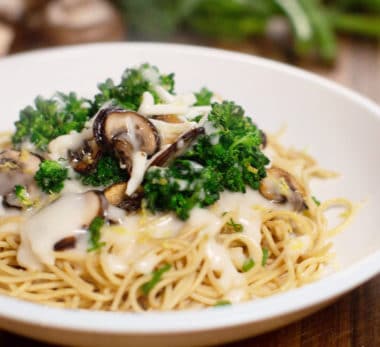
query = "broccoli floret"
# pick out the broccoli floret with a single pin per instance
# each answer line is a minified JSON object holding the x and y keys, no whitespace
{"x":232,"y":149}
{"x":51,"y":176}
{"x":134,"y":83}
{"x":50,"y":118}
{"x":227,"y":158}
{"x":23,"y":196}
{"x":95,"y":235}
{"x":180,"y":187}
{"x":106,"y":172}
{"x":203,"y":97}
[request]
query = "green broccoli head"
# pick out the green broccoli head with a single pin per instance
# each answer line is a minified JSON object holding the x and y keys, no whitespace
{"x":50,"y":118}
{"x":181,"y":187}
{"x":51,"y":176}
{"x":228,"y":158}
{"x":133,"y":84}
{"x":106,"y":172}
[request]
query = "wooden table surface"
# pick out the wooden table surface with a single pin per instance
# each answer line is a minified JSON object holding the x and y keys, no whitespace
{"x":354,"y":320}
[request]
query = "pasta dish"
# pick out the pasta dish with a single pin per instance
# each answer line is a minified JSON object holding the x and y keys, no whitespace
{"x":146,"y":199}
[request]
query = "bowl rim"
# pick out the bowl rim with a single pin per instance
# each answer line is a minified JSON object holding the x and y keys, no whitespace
{"x":277,"y":305}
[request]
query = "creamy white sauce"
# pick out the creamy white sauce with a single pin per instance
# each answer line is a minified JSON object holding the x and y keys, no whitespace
{"x":74,"y":186}
{"x":63,"y":218}
{"x":147,"y":264}
{"x":60,"y":146}
{"x":220,"y":261}
{"x":236,"y":295}
{"x":133,"y":240}
{"x":298,"y":245}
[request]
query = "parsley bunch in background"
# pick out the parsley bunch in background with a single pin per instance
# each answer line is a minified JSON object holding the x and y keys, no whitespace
{"x":314,"y":23}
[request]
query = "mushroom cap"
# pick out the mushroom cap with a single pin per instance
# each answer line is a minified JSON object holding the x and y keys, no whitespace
{"x":85,"y":158}
{"x":280,"y":186}
{"x":140,"y":132}
{"x":96,"y":206}
{"x":17,"y":168}
{"x":116,"y":195}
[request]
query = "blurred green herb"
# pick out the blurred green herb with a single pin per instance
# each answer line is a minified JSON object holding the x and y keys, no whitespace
{"x":314,"y":23}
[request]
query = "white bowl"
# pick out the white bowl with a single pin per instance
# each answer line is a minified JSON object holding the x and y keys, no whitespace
{"x":338,"y":126}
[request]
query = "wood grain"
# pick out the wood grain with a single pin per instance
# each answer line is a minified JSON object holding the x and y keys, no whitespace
{"x":354,"y":320}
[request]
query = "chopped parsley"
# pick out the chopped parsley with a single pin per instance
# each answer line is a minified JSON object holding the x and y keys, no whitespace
{"x":156,"y":277}
{"x":23,"y":196}
{"x":221,"y":303}
{"x":238,"y":228}
{"x":317,"y":202}
{"x":248,"y":265}
{"x":94,"y":229}
{"x":265,"y":257}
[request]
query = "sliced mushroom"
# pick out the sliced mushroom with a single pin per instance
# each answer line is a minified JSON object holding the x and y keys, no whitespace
{"x":169,"y":118}
{"x":95,"y":206}
{"x":84,"y":159}
{"x":176,"y":149}
{"x":171,"y":131}
{"x":17,"y":168}
{"x":65,"y":244}
{"x":280,"y":186}
{"x":142,"y":134}
{"x":124,"y":151}
{"x":116,"y":195}
{"x":11,"y":200}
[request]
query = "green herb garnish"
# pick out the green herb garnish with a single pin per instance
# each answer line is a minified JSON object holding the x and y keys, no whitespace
{"x":94,"y":230}
{"x":23,"y":196}
{"x":248,"y":265}
{"x":203,"y":97}
{"x":221,"y":303}
{"x":238,"y":228}
{"x":265,"y":257}
{"x":317,"y":202}
{"x":156,"y":277}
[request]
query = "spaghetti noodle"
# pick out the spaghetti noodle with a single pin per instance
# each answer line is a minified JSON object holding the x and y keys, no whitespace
{"x":194,"y":264}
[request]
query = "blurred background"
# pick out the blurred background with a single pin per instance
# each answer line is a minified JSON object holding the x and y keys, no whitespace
{"x":327,"y":36}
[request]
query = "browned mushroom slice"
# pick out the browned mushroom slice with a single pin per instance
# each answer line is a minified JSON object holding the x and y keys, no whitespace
{"x":280,"y":186}
{"x":124,"y":151}
{"x":96,"y":206}
{"x":32,"y":192}
{"x":176,"y":149}
{"x":84,"y":159}
{"x":16,"y":168}
{"x":65,"y":244}
{"x":169,"y":118}
{"x":139,"y":131}
{"x":116,"y":195}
